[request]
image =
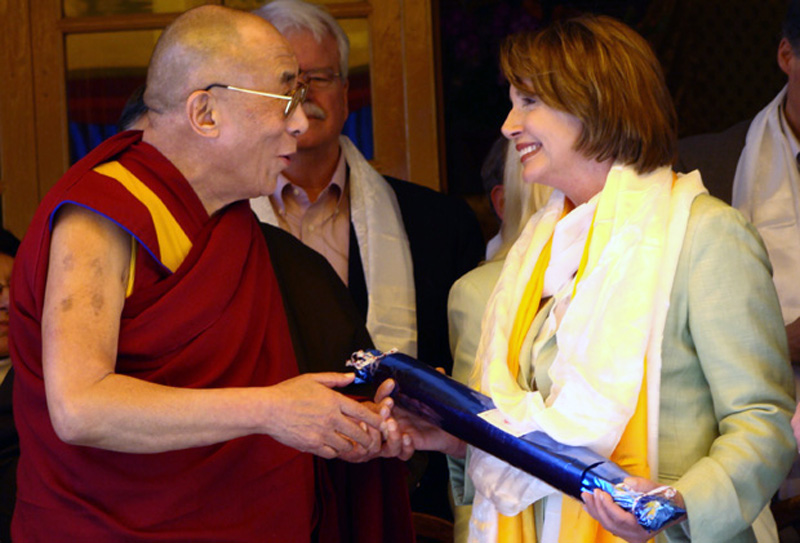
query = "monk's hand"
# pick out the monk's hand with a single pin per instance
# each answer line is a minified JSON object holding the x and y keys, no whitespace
{"x":616,"y":520}
{"x":311,"y":417}
{"x":405,"y":432}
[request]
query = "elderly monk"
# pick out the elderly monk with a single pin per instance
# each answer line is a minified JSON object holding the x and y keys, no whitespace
{"x":157,"y":394}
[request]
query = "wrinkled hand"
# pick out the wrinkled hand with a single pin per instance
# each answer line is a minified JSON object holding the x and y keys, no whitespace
{"x":615,"y":519}
{"x":404,"y":432}
{"x":793,"y":335}
{"x":313,"y":418}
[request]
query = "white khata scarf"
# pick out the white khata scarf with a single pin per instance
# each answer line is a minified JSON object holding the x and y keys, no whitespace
{"x":604,"y":334}
{"x":385,"y":253}
{"x":766,"y":189}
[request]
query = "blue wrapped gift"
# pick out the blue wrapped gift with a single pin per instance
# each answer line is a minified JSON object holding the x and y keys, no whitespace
{"x":461,"y":411}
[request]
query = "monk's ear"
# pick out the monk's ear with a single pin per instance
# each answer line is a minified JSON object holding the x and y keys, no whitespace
{"x":785,"y":56}
{"x":202,"y":114}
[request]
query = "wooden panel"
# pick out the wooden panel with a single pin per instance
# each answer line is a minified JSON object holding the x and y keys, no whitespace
{"x":437,"y":72}
{"x":92,"y":8}
{"x":341,"y":10}
{"x":111,"y":23}
{"x":148,"y":21}
{"x":50,"y":95}
{"x":388,"y":107}
{"x":422,"y":153}
{"x":18,"y":141}
{"x":349,"y":10}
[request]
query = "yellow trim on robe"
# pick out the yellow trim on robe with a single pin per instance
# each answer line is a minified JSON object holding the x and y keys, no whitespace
{"x":131,"y":268}
{"x":173,"y":243}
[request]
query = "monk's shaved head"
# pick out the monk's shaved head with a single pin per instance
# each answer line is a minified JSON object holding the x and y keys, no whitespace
{"x":205,"y":45}
{"x":229,"y":145}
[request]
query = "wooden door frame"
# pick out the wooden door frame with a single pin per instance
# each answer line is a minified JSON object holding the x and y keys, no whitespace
{"x":34,"y":143}
{"x":19,"y":172}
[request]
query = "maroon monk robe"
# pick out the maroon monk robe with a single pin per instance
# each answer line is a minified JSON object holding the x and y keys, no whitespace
{"x":217,"y":321}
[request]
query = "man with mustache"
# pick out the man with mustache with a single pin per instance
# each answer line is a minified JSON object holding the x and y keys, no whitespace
{"x":398,"y":246}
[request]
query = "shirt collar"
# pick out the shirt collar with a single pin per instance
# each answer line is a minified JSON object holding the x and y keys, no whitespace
{"x":339,"y":180}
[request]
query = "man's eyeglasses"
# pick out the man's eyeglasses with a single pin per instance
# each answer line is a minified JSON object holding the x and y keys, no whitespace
{"x":296,"y":97}
{"x":320,"y":78}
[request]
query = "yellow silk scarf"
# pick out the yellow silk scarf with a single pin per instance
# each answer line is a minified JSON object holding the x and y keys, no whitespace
{"x":577,"y":526}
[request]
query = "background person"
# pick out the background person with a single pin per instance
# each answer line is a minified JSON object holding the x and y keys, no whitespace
{"x":754,"y":165}
{"x":398,"y":246}
{"x":9,"y":441}
{"x":511,"y":201}
{"x":409,"y":243}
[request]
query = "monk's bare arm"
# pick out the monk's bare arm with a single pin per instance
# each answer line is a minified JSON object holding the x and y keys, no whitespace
{"x":92,"y":405}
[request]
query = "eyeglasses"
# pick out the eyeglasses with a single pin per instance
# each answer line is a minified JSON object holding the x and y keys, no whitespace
{"x":320,"y":78}
{"x":296,"y":97}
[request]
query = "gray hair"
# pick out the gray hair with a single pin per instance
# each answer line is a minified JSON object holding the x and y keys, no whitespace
{"x":287,"y":15}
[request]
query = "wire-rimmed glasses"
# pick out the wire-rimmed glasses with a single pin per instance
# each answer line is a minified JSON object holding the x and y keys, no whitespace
{"x":319,"y":78}
{"x":295,"y":97}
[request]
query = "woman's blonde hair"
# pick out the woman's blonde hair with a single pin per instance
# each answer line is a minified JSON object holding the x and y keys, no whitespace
{"x":522,"y":200}
{"x":606,"y":75}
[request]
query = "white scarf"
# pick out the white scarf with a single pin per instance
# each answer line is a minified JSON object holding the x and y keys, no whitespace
{"x":384,"y":249}
{"x":766,"y":190}
{"x":616,"y":319}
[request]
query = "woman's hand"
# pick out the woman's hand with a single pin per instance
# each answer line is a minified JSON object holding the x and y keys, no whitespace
{"x":616,"y":520}
{"x":404,"y":432}
{"x":359,"y":453}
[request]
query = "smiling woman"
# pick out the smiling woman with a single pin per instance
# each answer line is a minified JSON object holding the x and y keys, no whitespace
{"x":635,"y":315}
{"x":619,"y":94}
{"x":617,"y":293}
{"x":546,"y":140}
